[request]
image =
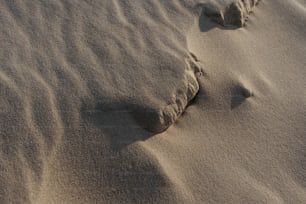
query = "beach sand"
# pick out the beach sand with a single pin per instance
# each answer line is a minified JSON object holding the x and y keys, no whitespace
{"x":164,"y":101}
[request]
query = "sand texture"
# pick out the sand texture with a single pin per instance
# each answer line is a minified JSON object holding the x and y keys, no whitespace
{"x":161,"y":101}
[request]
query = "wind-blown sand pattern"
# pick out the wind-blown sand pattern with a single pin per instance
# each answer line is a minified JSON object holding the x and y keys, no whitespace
{"x":125,"y":101}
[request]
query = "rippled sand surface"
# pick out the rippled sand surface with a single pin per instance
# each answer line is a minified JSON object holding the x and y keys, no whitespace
{"x":164,"y":101}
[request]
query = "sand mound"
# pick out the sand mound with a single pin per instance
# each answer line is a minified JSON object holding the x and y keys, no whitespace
{"x":160,"y":119}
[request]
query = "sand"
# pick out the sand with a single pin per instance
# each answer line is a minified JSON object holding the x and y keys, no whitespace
{"x":131,"y":101}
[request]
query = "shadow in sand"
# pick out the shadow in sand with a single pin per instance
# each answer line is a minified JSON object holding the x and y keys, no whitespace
{"x":117,"y":123}
{"x":210,"y":19}
{"x":206,"y":24}
{"x":239,"y":95}
{"x":237,"y":101}
{"x":125,"y":123}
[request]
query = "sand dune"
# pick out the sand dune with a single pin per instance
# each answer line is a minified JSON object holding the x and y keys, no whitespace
{"x":125,"y":101}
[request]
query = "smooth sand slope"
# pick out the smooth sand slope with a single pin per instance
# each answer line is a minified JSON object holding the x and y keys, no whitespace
{"x":164,"y":101}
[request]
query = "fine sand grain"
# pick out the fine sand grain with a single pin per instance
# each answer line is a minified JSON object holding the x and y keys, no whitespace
{"x":164,"y":101}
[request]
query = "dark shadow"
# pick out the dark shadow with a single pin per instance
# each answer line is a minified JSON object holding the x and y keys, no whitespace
{"x":205,"y":24}
{"x":210,"y":19}
{"x":237,"y":101}
{"x":117,"y":123}
{"x":239,"y":95}
{"x":125,"y":123}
